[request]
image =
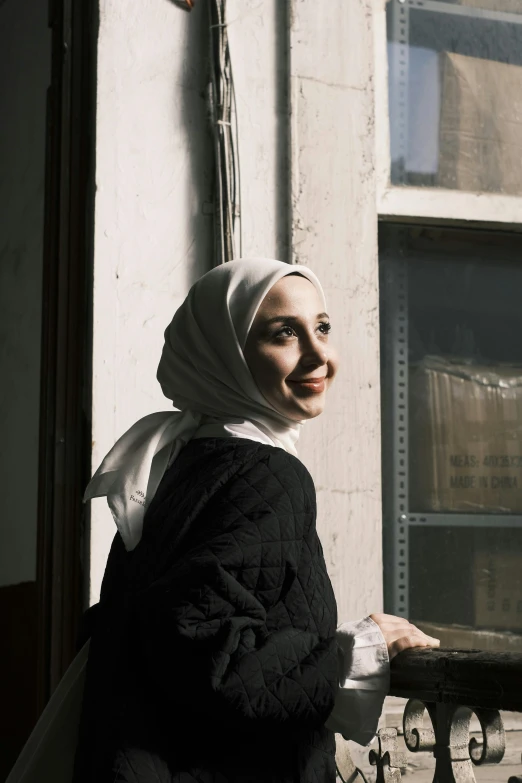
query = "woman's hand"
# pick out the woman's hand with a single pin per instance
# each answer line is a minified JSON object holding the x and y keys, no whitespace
{"x":401,"y":635}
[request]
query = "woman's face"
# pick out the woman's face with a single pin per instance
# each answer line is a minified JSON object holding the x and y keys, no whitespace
{"x":287,"y":349}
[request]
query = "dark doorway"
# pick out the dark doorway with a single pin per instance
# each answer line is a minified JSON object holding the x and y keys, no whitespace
{"x":46,"y":164}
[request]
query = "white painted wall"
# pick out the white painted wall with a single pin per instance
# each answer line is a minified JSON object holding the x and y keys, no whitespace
{"x":152,"y":238}
{"x":24,"y":78}
{"x":153,"y":228}
{"x":258,"y":43}
{"x":335,"y":233}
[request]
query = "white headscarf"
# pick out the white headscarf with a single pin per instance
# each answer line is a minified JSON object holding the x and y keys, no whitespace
{"x":204,"y":372}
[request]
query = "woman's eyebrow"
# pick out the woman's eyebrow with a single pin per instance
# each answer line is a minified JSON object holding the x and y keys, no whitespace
{"x":290,"y":318}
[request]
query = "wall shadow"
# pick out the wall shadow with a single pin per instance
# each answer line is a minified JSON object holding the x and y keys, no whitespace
{"x":283,"y":196}
{"x":191,"y":90}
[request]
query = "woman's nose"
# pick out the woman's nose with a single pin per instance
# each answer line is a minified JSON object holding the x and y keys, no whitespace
{"x":314,"y":353}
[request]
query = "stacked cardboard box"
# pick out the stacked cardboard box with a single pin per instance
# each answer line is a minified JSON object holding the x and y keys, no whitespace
{"x":466,"y":456}
{"x":480,"y":131}
{"x":465,"y":437}
{"x":498,"y":580}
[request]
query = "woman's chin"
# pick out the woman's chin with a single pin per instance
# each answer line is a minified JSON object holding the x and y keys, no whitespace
{"x":307,"y":410}
{"x":299,"y":409}
{"x":313,"y":414}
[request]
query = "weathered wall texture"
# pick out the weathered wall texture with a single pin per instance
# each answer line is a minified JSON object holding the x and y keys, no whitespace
{"x":153,"y":236}
{"x":153,"y":223}
{"x":258,"y":43}
{"x":335,"y":233}
{"x":25,"y":53}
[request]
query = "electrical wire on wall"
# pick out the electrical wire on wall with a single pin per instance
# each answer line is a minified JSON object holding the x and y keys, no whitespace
{"x":224,"y":126}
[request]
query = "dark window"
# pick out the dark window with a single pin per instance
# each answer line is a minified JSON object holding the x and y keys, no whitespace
{"x":451,"y":323}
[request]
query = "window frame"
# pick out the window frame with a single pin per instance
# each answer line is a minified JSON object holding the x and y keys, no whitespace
{"x":399,"y":516}
{"x":425,"y":203}
{"x":444,"y":208}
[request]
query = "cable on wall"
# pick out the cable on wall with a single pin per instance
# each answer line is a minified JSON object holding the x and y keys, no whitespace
{"x":224,"y":127}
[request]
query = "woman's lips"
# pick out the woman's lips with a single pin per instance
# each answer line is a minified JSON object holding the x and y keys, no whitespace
{"x":315,"y":385}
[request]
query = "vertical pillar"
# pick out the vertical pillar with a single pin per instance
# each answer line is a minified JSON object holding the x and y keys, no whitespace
{"x":334,"y":231}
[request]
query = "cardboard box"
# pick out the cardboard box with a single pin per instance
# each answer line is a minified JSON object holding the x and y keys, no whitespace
{"x":465,"y":445}
{"x":498,"y":579}
{"x":480,"y":131}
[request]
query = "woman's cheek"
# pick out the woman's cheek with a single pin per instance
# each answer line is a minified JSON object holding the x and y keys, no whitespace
{"x":275,"y":364}
{"x":333,"y":363}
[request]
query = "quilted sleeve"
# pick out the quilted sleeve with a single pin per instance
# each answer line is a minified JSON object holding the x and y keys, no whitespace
{"x":233,"y":630}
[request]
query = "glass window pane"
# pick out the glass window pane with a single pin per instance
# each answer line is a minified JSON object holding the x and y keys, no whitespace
{"x":455,"y":94}
{"x":477,"y":585}
{"x":465,"y":379}
{"x":451,"y":326}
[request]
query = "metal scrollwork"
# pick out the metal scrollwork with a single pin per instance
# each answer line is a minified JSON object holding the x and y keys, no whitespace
{"x":448,"y":737}
{"x":493,"y":745}
{"x":388,"y":759}
{"x":416,"y":736}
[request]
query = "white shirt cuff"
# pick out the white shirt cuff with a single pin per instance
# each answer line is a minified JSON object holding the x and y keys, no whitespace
{"x":364,"y":681}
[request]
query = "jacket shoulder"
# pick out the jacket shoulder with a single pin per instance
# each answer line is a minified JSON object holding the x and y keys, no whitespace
{"x":230,"y":457}
{"x":250,"y":476}
{"x":285,"y":468}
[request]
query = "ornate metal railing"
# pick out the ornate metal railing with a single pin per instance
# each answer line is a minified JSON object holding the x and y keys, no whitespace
{"x":444,"y":689}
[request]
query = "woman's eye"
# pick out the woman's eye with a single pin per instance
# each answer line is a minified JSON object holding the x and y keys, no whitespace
{"x":286,"y":331}
{"x":325,"y":327}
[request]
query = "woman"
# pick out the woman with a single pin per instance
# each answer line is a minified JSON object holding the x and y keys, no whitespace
{"x":214,"y":655}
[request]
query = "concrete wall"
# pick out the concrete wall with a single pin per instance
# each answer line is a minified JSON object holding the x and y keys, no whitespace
{"x":24,"y":78}
{"x":153,"y":224}
{"x":153,"y":236}
{"x":152,"y":233}
{"x":258,"y":43}
{"x":334,"y":231}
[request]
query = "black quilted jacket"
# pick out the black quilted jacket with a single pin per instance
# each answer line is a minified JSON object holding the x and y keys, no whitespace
{"x":213,"y":658}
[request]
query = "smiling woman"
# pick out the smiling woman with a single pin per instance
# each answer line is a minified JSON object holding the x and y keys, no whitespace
{"x":288,"y":351}
{"x":217,"y":618}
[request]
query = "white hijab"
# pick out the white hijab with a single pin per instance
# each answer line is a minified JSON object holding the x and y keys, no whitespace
{"x":204,"y":372}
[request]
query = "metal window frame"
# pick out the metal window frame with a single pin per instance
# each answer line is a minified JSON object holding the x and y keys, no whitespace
{"x":400,"y":201}
{"x":438,"y":6}
{"x":398,"y":517}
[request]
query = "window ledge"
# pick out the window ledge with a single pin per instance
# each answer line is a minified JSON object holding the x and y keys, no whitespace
{"x":450,"y":205}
